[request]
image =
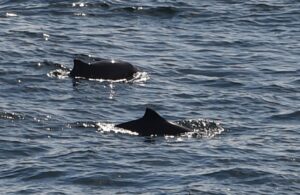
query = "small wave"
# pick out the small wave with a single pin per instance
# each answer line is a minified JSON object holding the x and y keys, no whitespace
{"x":102,"y":180}
{"x":273,"y":71}
{"x":79,"y":5}
{"x":33,"y":89}
{"x":292,"y":116}
{"x":168,"y":11}
{"x":202,"y":128}
{"x":30,"y":34}
{"x":11,"y":116}
{"x":44,"y":175}
{"x":296,"y":82}
{"x":86,"y":124}
{"x":263,"y":7}
{"x":80,"y":14}
{"x":222,"y":83}
{"x":92,"y":9}
{"x":210,"y":73}
{"x":52,"y":64}
{"x":242,"y":174}
{"x":281,"y":88}
{"x":14,"y":148}
{"x":152,"y":11}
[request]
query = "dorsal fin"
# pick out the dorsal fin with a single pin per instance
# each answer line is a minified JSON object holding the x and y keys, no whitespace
{"x":78,"y":61}
{"x":151,"y":114}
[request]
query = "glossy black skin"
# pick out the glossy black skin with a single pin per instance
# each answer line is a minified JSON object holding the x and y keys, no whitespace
{"x":153,"y":124}
{"x":103,"y":69}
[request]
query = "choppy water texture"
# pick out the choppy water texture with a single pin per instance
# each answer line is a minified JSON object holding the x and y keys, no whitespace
{"x":233,"y":62}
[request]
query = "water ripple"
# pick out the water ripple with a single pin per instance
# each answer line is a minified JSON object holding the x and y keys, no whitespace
{"x":11,"y":116}
{"x":291,"y":116}
{"x":231,"y":61}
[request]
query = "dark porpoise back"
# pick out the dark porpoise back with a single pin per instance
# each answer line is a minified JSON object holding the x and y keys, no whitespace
{"x":153,"y":124}
{"x":103,"y":69}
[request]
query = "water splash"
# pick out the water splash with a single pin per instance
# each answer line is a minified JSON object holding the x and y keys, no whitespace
{"x":79,"y":4}
{"x":58,"y":73}
{"x":107,"y":127}
{"x":11,"y":116}
{"x":46,"y":36}
{"x":202,"y":128}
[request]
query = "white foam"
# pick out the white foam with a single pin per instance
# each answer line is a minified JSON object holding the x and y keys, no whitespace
{"x":106,"y":127}
{"x":11,"y":14}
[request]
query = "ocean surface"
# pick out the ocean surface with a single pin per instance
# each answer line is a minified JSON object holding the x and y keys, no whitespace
{"x":228,"y":69}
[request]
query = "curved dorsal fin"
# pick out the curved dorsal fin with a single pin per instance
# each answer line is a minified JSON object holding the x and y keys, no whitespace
{"x":151,"y":114}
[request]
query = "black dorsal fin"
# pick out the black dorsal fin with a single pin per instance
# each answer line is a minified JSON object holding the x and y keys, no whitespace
{"x":79,"y":62}
{"x":151,"y":114}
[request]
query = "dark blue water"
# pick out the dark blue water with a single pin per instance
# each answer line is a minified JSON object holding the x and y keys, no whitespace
{"x":232,"y":62}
